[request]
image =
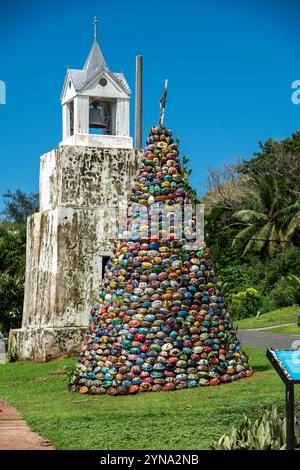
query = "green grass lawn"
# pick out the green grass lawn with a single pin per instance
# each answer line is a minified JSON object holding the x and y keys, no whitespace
{"x":186,"y":419}
{"x":276,"y":317}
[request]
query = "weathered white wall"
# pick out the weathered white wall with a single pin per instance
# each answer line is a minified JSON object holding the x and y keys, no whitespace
{"x":66,"y":121}
{"x":69,"y":91}
{"x":81,"y":114}
{"x":80,"y":191}
{"x":122,"y":117}
{"x":87,"y":177}
{"x":102,"y":141}
{"x":112,"y":90}
{"x":63,"y":265}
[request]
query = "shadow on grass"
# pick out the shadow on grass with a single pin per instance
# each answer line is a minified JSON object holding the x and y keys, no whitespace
{"x":261,"y":367}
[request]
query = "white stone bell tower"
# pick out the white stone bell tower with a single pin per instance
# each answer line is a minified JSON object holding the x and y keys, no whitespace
{"x":82,"y":184}
{"x":95,"y":104}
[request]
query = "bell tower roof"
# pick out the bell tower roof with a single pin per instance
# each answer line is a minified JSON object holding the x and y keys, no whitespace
{"x":96,"y":104}
{"x":94,"y":65}
{"x":95,"y":62}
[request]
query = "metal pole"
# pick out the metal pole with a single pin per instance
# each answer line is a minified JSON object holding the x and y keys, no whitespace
{"x":138,"y":102}
{"x":290,"y":417}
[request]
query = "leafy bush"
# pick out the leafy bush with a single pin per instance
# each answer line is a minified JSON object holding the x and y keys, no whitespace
{"x":71,"y":374}
{"x":240,"y":277}
{"x":268,"y":432}
{"x":12,"y":355}
{"x":245,"y":304}
{"x":284,"y":294}
{"x":267,"y":305}
{"x":12,"y":274}
{"x":11,"y":302}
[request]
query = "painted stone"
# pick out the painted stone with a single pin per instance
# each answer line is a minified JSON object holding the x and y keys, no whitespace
{"x":160,"y":322}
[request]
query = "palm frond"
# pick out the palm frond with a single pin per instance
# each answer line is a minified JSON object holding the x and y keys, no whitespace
{"x":274,"y":241}
{"x":292,"y":277}
{"x":263,"y":235}
{"x":293,"y":226}
{"x":249,"y":216}
{"x":244,"y":234}
{"x":267,"y":191}
{"x":248,"y":247}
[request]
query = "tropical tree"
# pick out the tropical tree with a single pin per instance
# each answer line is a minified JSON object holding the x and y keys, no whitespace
{"x":280,"y":158}
{"x":293,"y":220}
{"x":12,"y":274}
{"x":19,"y":205}
{"x":262,"y":226}
{"x":295,"y":279}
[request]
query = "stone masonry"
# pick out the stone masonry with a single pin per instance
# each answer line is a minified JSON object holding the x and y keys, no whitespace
{"x":80,"y":191}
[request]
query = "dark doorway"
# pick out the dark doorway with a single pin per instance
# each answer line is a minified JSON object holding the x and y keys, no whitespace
{"x":105,"y":260}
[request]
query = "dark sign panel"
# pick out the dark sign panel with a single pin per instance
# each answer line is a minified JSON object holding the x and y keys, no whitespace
{"x":286,"y":362}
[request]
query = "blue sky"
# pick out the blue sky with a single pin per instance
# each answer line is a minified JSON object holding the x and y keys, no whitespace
{"x":230,"y":66}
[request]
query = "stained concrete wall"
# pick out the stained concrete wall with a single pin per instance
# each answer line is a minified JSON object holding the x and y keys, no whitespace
{"x":76,"y":176}
{"x":80,"y":191}
{"x":63,"y":266}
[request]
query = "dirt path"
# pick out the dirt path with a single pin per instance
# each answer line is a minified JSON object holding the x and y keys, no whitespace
{"x":15,"y":434}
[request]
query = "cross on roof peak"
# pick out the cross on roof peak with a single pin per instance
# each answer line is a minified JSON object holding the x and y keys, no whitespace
{"x":95,"y":28}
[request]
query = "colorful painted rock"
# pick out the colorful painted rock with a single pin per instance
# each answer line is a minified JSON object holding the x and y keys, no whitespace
{"x":160,"y":322}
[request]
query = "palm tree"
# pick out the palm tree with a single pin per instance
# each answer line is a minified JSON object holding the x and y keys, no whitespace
{"x":262,"y":228}
{"x":294,"y":278}
{"x":293,"y":220}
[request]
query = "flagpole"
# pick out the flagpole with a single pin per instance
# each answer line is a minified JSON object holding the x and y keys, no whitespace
{"x":138,"y":102}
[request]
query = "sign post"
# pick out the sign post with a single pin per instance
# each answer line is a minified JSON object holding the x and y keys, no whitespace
{"x":290,"y":417}
{"x":287,"y":365}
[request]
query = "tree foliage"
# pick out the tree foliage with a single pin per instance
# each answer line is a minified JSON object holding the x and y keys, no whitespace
{"x":254,"y":235}
{"x":263,"y":227}
{"x":279,"y":158}
{"x":18,"y":206}
{"x":12,"y":273}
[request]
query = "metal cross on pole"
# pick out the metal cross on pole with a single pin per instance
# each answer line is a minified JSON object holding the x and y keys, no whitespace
{"x":162,"y":104}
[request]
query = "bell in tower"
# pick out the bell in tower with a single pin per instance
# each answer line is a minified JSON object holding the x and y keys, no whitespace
{"x":100,"y":117}
{"x":96,"y":118}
